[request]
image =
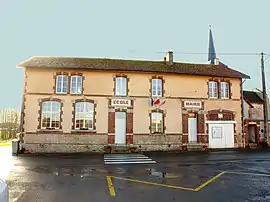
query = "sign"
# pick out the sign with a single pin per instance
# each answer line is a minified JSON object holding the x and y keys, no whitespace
{"x":120,"y":102}
{"x":193,"y":104}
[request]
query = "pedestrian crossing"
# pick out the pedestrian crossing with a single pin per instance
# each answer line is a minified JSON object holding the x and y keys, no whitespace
{"x":127,"y":159}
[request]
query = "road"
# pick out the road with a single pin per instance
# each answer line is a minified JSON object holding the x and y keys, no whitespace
{"x":188,"y":177}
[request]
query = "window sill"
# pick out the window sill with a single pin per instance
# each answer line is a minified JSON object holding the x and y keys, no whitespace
{"x":83,"y":131}
{"x":156,"y":133}
{"x":50,"y":131}
{"x":61,"y":93}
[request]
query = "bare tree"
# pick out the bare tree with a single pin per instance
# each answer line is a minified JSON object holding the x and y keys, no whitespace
{"x":9,"y":123}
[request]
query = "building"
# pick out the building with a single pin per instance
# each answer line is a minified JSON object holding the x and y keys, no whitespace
{"x":253,"y":117}
{"x":84,"y":104}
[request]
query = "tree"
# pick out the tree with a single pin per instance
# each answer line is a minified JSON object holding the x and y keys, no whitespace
{"x":9,"y":123}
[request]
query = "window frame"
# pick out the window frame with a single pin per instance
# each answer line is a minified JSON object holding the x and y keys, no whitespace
{"x":76,"y":84}
{"x":226,"y":83}
{"x":211,"y":92}
{"x":92,"y":116}
{"x":155,"y":87}
{"x":51,"y":113}
{"x":62,"y":84}
{"x":125,"y":85}
{"x":152,"y":118}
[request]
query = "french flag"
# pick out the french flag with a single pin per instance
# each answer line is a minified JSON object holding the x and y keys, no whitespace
{"x":155,"y":102}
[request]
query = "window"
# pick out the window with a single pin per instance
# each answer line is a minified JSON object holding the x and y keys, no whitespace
{"x":61,"y":83}
{"x":76,"y":85}
{"x":84,"y":115}
{"x":224,"y":89}
{"x":50,"y":115}
{"x":212,"y":89}
{"x":156,"y":87}
{"x":157,"y":122}
{"x":121,"y":86}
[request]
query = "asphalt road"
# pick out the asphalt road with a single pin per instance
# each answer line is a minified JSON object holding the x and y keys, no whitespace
{"x":188,"y":177}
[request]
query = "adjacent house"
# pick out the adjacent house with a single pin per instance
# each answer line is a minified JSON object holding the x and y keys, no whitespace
{"x":82,"y":104}
{"x":253,"y":117}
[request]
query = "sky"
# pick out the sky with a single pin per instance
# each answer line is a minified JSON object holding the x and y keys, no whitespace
{"x":131,"y":30}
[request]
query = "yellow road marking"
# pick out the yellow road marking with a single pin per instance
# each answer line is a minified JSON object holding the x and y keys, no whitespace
{"x":199,"y":188}
{"x":244,"y":173}
{"x":110,"y":185}
{"x":156,"y":184}
{"x":209,"y":181}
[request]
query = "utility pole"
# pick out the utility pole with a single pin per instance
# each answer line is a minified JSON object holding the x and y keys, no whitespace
{"x":265,"y":101}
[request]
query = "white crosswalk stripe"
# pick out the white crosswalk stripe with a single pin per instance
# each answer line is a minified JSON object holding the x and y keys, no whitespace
{"x":127,"y":159}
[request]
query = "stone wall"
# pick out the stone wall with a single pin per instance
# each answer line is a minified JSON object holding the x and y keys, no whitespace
{"x":158,"y":142}
{"x":61,"y":143}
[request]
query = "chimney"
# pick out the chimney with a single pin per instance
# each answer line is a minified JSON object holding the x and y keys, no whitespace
{"x":216,"y":61}
{"x":169,"y":58}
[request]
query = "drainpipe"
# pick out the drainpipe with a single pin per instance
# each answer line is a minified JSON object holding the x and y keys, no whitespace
{"x":242,"y":111}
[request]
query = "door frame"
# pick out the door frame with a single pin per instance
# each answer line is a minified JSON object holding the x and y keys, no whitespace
{"x":124,"y":127}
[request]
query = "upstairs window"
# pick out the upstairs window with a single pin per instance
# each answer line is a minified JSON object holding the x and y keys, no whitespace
{"x":61,"y":84}
{"x":76,"y":85}
{"x":84,"y":115}
{"x":121,"y":86}
{"x":213,"y":89}
{"x":50,"y":116}
{"x":157,"y":122}
{"x":156,"y":87}
{"x":224,"y":90}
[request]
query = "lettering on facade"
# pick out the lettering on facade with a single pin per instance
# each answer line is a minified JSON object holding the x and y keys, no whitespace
{"x":193,"y":104}
{"x":121,"y":102}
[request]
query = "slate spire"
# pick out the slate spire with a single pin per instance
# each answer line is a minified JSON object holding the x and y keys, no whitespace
{"x":211,"y":48}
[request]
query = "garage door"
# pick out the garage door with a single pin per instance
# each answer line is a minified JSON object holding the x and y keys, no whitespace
{"x":221,"y":134}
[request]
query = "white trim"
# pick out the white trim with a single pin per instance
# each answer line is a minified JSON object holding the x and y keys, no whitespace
{"x":220,"y":122}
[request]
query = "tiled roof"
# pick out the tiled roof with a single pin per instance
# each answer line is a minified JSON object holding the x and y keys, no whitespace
{"x":132,"y":66}
{"x":252,"y":97}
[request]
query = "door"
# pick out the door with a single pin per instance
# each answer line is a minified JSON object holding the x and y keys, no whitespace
{"x":221,"y":135}
{"x":251,"y":133}
{"x":120,"y":127}
{"x":192,"y":130}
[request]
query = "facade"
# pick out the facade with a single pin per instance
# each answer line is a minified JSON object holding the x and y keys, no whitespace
{"x":84,"y":104}
{"x":253,"y":117}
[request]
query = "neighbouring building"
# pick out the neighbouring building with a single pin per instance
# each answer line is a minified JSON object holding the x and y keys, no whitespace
{"x":83,"y":104}
{"x":253,"y":117}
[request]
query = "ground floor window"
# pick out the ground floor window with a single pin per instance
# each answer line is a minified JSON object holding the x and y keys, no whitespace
{"x":50,"y":117}
{"x":84,"y":115}
{"x":156,"y":122}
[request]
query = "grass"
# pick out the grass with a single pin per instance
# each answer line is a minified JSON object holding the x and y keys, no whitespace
{"x":5,"y":143}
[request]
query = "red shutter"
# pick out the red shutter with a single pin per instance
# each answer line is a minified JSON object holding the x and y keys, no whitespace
{"x":201,"y":123}
{"x":185,"y":123}
{"x":129,"y":122}
{"x":111,"y":122}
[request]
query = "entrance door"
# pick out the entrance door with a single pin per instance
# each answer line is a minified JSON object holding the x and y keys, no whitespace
{"x":120,"y":127}
{"x":221,"y":135}
{"x":251,"y":133}
{"x":192,"y":130}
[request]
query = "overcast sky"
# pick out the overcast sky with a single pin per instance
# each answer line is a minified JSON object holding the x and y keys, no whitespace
{"x":141,"y":29}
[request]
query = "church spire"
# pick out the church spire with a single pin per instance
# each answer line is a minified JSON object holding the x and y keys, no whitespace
{"x":211,"y":49}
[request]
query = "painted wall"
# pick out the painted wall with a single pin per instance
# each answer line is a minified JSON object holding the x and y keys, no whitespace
{"x":99,"y":87}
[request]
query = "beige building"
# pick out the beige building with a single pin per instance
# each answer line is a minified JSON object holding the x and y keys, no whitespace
{"x":84,"y":104}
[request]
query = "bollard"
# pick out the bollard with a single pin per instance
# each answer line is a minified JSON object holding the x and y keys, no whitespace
{"x":3,"y":191}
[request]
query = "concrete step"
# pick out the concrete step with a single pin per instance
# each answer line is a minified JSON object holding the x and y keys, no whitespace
{"x":195,"y":147}
{"x":116,"y":149}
